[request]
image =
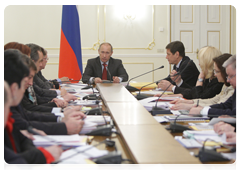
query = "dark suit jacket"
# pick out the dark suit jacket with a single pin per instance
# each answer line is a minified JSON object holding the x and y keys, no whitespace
{"x":11,"y":157}
{"x":207,"y":90}
{"x":28,"y":105}
{"x":24,"y":147}
{"x":226,"y":108}
{"x":40,"y":82}
{"x":44,"y":92}
{"x":46,"y":122}
{"x":189,"y":75}
{"x":94,"y":69}
{"x":44,"y":80}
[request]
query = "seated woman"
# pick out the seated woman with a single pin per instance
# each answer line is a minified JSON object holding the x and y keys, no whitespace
{"x":207,"y":85}
{"x":227,"y":90}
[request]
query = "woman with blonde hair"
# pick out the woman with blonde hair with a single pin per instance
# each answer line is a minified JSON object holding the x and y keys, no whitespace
{"x":227,"y":90}
{"x":207,"y":85}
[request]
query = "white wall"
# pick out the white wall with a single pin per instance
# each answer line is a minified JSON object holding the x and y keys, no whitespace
{"x":42,"y":24}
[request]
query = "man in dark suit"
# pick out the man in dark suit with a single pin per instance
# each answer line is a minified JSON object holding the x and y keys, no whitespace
{"x":228,"y":107}
{"x":104,"y":67}
{"x":182,"y":63}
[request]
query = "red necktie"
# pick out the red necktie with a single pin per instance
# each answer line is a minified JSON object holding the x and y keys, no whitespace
{"x":104,"y":74}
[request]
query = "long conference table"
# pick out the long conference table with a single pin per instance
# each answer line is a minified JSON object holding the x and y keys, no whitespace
{"x":144,"y":140}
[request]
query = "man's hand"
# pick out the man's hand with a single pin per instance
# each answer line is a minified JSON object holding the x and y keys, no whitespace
{"x":75,"y":108}
{"x":74,"y":126}
{"x":116,"y":79}
{"x":177,"y":78}
{"x":222,"y":127}
{"x":182,"y":106}
{"x":60,"y":103}
{"x":68,"y":97}
{"x":30,"y":136}
{"x":195,"y":110}
{"x":97,"y":80}
{"x":55,"y":151}
{"x":65,"y":79}
{"x":163,"y":84}
{"x":73,"y":114}
{"x":231,"y":136}
{"x":63,"y":91}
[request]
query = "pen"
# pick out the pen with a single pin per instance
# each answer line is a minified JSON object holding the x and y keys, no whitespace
{"x":197,"y":102}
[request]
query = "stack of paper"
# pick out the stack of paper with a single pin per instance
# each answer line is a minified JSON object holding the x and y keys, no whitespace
{"x":65,"y":141}
{"x":207,"y":134}
{"x":98,"y":119}
{"x":201,"y":126}
{"x":150,"y":102}
{"x":183,"y":118}
{"x":88,"y":127}
{"x":188,"y":143}
{"x":80,"y":154}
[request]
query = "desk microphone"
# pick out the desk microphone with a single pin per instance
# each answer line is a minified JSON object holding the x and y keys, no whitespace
{"x":175,"y":127}
{"x":90,"y":96}
{"x":140,"y":96}
{"x":131,"y":88}
{"x":157,"y":110}
{"x":206,"y":155}
{"x":78,"y":152}
{"x":109,"y":75}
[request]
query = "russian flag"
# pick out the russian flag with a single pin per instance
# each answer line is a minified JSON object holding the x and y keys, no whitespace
{"x":70,"y":58}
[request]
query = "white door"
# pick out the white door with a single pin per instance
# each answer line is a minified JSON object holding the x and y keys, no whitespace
{"x":201,"y":25}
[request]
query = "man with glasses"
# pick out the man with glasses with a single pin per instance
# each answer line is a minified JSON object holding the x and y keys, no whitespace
{"x":228,"y":107}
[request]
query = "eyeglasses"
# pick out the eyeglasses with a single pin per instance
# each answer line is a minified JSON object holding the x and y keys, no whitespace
{"x":229,"y":78}
{"x":216,"y":72}
{"x":46,"y":59}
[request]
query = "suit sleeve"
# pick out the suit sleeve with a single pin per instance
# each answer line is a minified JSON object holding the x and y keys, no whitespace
{"x":226,"y":108}
{"x":44,"y":92}
{"x":40,"y":83}
{"x":88,"y":72}
{"x":122,"y":72}
{"x":28,"y":105}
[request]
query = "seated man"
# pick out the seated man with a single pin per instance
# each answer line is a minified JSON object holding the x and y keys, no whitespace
{"x":49,"y":83}
{"x":104,"y":67}
{"x":189,"y":71}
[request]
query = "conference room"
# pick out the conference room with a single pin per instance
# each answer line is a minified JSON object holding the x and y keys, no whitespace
{"x":139,"y":42}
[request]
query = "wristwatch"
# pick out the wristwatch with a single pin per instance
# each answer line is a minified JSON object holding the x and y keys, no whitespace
{"x":200,"y":79}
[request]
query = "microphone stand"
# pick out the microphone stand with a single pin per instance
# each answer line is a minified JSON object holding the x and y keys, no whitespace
{"x":206,"y":155}
{"x":131,"y":88}
{"x":157,"y":110}
{"x":139,"y":96}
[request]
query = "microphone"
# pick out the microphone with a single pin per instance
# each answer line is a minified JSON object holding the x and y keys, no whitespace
{"x":107,"y":142}
{"x":104,"y":130}
{"x":130,"y":88}
{"x":139,"y":96}
{"x":157,"y":110}
{"x":175,"y":127}
{"x":206,"y":155}
{"x":108,"y":81}
{"x":90,"y":96}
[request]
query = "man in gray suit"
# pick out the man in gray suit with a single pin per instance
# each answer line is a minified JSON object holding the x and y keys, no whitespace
{"x":104,"y":67}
